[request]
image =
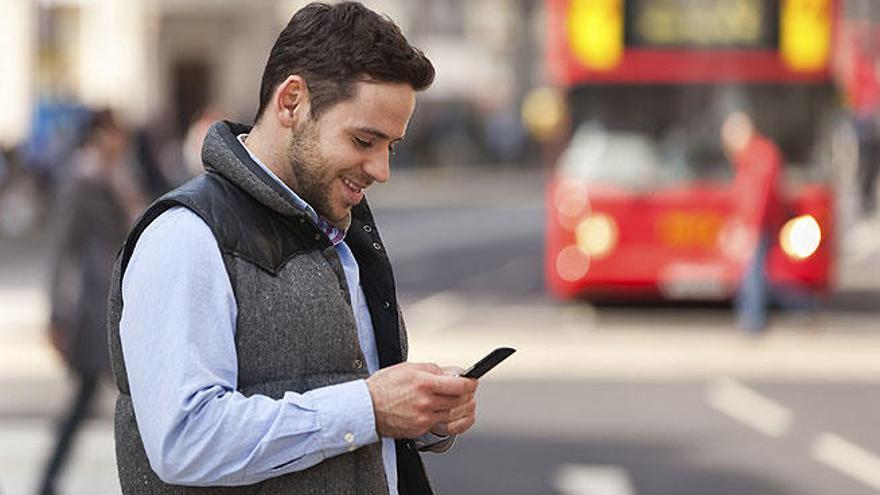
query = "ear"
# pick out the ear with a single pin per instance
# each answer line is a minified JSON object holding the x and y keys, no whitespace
{"x":291,"y":101}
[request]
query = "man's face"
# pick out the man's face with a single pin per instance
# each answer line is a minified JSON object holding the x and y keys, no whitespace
{"x":334,"y":158}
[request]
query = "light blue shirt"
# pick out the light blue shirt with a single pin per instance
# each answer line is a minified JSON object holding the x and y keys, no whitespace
{"x":177,"y":332}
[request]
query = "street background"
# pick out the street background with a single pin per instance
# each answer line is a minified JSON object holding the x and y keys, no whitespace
{"x":667,"y":399}
{"x":600,"y":399}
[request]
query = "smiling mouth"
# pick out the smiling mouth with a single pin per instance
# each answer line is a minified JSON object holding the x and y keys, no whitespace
{"x":353,"y":187}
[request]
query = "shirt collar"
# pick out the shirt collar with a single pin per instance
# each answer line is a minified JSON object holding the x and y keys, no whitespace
{"x":334,"y":233}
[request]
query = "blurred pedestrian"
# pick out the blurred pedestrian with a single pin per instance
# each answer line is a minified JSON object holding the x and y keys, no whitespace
{"x":759,"y":212}
{"x":93,"y":212}
{"x":5,"y":168}
{"x":864,"y":100}
{"x":20,"y":199}
{"x":195,"y":136}
{"x":256,"y":338}
{"x":154,"y":182}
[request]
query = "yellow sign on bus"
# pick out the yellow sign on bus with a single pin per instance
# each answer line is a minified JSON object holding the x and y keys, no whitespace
{"x":595,"y":32}
{"x":805,"y":34}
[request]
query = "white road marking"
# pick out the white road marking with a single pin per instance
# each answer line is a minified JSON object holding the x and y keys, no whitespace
{"x":847,"y":458}
{"x":584,"y":479}
{"x":749,"y":407}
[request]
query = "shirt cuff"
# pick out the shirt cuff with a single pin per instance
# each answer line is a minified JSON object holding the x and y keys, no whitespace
{"x":434,"y":443}
{"x":345,"y":415}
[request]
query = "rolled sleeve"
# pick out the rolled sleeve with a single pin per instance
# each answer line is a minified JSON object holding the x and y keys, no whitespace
{"x":439,"y":444}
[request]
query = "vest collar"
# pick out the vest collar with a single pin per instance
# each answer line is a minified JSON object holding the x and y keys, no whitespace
{"x":223,"y":154}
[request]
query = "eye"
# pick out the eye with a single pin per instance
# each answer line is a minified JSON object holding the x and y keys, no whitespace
{"x":392,"y":149}
{"x":360,"y":143}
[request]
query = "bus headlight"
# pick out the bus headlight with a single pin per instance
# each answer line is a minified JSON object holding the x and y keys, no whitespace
{"x":572,"y":264}
{"x":800,"y":237}
{"x":596,"y":235}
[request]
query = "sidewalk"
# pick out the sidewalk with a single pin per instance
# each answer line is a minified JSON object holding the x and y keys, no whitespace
{"x":573,"y":342}
{"x":24,"y":443}
{"x":556,"y":341}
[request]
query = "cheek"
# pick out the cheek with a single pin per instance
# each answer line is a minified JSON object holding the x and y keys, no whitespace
{"x":339,"y":152}
{"x":320,"y":164}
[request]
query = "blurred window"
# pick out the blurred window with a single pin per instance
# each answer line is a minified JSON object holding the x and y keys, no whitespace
{"x":618,"y":158}
{"x":635,"y":160}
{"x":642,"y":136}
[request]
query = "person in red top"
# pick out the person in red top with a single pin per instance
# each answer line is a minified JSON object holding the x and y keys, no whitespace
{"x":759,"y":212}
{"x":864,"y":100}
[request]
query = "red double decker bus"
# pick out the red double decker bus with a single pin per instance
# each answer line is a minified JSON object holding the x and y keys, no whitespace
{"x":640,"y":204}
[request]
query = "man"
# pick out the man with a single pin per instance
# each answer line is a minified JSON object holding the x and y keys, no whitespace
{"x":759,"y":212}
{"x":255,"y":334}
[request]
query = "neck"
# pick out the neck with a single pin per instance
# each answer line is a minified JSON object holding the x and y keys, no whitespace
{"x":264,"y":145}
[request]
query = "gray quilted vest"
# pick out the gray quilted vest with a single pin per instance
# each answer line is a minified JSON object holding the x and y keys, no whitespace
{"x":295,"y":329}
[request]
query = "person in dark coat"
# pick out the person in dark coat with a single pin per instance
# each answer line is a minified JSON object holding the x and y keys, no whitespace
{"x":96,"y":204}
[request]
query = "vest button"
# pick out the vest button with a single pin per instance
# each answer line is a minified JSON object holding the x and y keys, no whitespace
{"x":376,"y":246}
{"x":367,"y":228}
{"x":358,"y":364}
{"x":386,"y":305}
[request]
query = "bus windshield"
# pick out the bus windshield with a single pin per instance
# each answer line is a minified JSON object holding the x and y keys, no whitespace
{"x":647,"y":136}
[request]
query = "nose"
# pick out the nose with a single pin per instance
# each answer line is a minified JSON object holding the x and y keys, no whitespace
{"x":378,"y":167}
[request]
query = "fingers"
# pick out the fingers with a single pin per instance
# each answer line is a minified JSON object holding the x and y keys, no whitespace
{"x":453,"y":385}
{"x":440,"y":429}
{"x":446,"y":403}
{"x":445,"y":381}
{"x":460,"y":426}
{"x":463,"y":410}
{"x":452,"y":370}
{"x":431,"y":368}
{"x":411,"y":398}
{"x":458,"y":419}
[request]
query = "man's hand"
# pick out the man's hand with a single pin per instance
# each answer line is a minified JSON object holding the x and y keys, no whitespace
{"x":410,"y":399}
{"x":460,"y":418}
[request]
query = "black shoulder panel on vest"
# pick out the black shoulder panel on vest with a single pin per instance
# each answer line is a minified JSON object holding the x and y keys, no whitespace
{"x":242,"y":226}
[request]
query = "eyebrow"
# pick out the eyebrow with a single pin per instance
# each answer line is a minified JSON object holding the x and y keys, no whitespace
{"x":377,"y":133}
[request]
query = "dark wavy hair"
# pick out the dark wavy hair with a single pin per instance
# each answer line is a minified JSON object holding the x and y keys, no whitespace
{"x":334,"y":46}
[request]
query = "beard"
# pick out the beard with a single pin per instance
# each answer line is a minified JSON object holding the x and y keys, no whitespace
{"x":312,"y":174}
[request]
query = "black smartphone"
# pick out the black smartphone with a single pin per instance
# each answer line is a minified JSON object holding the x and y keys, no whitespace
{"x":487,"y":363}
